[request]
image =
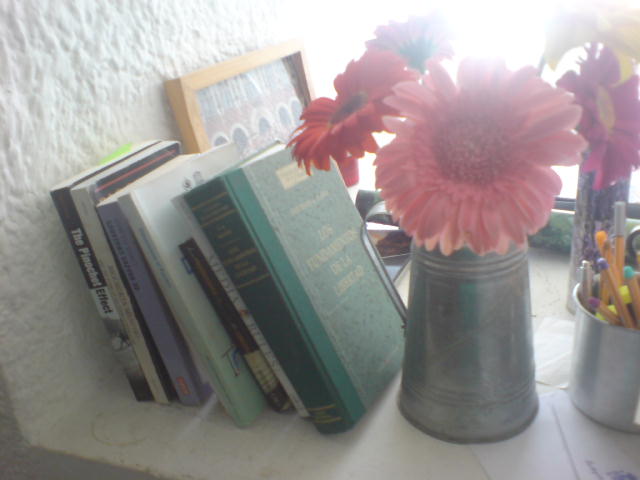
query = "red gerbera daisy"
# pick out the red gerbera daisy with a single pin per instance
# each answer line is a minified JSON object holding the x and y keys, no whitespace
{"x":471,"y":163}
{"x":610,"y":116}
{"x":342,"y":128}
{"x":417,"y":40}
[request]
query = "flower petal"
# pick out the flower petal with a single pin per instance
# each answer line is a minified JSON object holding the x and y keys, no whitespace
{"x":472,"y":166}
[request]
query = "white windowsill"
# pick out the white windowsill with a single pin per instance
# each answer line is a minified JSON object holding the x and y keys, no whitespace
{"x":185,"y":443}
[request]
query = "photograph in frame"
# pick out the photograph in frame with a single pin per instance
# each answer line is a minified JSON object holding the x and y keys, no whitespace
{"x":252,"y":100}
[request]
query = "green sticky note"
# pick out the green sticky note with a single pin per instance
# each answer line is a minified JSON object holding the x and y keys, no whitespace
{"x":115,"y":154}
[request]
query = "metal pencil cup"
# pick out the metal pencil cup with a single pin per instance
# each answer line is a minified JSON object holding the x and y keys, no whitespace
{"x":468,"y":372}
{"x":605,"y":371}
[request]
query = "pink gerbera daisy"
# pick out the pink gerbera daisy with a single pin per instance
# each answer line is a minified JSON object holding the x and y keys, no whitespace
{"x":610,"y":116}
{"x":471,"y":163}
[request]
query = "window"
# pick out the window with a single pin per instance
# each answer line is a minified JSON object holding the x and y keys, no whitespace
{"x":511,"y":29}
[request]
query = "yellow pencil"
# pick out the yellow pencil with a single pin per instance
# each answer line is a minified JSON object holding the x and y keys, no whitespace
{"x":609,"y":256}
{"x":603,"y":310}
{"x":612,"y":285}
{"x":631,"y":280}
{"x":619,"y":220}
{"x":601,"y":240}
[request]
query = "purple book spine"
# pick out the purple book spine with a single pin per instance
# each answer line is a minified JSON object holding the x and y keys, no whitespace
{"x":175,"y":354}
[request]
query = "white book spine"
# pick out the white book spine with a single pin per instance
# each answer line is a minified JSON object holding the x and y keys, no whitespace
{"x":169,"y":290}
{"x":93,"y":229}
{"x":216,"y":265}
{"x":198,"y":335}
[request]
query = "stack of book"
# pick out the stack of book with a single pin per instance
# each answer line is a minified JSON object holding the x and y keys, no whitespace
{"x":245,"y":277}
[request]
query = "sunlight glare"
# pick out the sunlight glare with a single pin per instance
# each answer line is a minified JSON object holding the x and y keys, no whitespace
{"x":513,"y":30}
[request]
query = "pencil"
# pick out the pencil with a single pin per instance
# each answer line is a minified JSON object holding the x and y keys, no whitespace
{"x":609,"y":256}
{"x":601,"y":240}
{"x":631,"y":280}
{"x":603,"y":310}
{"x":613,"y":286}
{"x":586,"y":282}
{"x":619,"y":220}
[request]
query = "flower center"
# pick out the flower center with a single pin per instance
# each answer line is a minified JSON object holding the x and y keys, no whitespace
{"x":417,"y":52}
{"x":471,"y":150}
{"x":606,"y":110}
{"x":353,"y":104}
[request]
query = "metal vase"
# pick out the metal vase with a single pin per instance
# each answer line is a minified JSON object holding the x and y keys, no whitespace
{"x":468,"y":374}
{"x":605,"y":378}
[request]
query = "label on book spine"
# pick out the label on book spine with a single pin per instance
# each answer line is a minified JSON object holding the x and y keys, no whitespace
{"x":93,"y":275}
{"x":101,"y":294}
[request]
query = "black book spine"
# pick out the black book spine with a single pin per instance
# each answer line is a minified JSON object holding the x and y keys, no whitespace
{"x":100,"y":293}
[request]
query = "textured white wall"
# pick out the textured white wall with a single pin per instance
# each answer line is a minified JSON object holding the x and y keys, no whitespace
{"x":77,"y":79}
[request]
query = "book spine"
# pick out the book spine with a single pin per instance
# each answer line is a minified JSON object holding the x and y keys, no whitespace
{"x":233,"y":242}
{"x":241,"y":308}
{"x":235,"y":327}
{"x":101,"y":293}
{"x":131,"y":321}
{"x":232,"y":382}
{"x":143,"y":346}
{"x":161,"y":324}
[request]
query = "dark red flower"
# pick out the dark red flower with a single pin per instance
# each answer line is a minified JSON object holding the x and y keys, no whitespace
{"x":342,"y":128}
{"x":610,"y":119}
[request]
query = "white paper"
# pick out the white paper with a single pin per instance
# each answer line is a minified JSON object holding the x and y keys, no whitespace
{"x":553,"y":343}
{"x":597,"y":452}
{"x":537,"y":453}
{"x":562,"y":443}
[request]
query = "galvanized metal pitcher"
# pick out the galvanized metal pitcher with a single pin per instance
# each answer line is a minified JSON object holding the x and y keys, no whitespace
{"x":468,"y":373}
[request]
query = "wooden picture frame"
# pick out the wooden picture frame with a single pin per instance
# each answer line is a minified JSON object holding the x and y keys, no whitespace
{"x":247,"y":99}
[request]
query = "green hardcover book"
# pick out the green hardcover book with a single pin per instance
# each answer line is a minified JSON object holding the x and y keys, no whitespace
{"x":292,"y":246}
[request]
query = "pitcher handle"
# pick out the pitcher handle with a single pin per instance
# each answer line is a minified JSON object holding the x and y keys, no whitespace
{"x":374,"y":214}
{"x":632,"y":251}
